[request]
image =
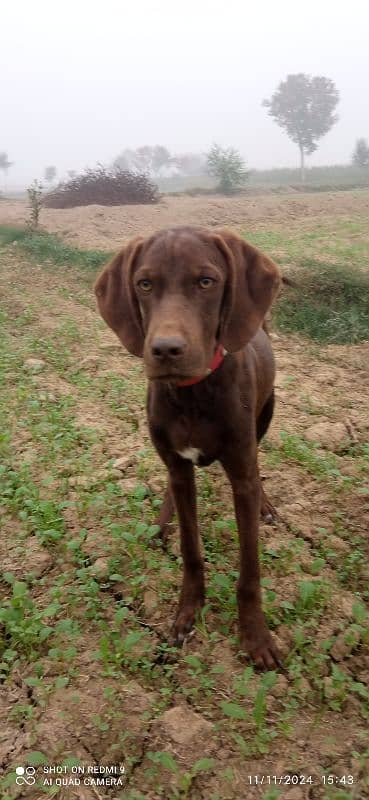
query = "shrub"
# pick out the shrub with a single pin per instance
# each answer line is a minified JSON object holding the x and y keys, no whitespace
{"x":106,"y":187}
{"x":228,"y":167}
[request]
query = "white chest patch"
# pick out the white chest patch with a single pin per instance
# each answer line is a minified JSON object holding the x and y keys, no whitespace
{"x":191,"y":454}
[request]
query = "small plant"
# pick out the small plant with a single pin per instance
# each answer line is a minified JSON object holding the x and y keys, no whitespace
{"x":227,"y":165}
{"x":22,"y":627}
{"x":35,"y":198}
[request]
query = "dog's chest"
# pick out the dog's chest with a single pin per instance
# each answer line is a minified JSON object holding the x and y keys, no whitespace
{"x":195,"y":440}
{"x":193,"y":454}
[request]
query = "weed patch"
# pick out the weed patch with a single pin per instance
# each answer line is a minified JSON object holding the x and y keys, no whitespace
{"x":47,"y":247}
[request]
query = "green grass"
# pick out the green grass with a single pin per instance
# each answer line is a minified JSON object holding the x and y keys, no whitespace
{"x":330,"y":303}
{"x":42,"y":246}
{"x":72,"y":625}
{"x":329,"y":264}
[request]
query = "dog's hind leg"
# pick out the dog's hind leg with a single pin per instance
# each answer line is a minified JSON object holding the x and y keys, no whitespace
{"x":165,"y":516}
{"x":268,"y":512}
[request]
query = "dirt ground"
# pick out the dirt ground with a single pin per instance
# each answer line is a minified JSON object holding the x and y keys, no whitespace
{"x":106,"y":228}
{"x":197,"y":727}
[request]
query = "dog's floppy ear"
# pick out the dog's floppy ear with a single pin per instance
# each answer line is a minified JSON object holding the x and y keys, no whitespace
{"x":253,"y":281}
{"x":116,"y":301}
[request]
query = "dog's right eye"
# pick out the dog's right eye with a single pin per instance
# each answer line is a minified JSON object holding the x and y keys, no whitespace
{"x":206,"y":282}
{"x":145,"y":285}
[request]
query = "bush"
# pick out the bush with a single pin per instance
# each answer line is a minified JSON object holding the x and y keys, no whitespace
{"x":330,"y":303}
{"x":106,"y":187}
{"x":228,"y":167}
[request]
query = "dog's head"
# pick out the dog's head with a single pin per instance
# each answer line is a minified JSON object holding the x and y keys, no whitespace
{"x":173,"y":297}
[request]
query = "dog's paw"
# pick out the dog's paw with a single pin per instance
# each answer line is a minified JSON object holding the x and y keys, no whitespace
{"x":261,"y":649}
{"x":268,"y":513}
{"x":184,"y":622}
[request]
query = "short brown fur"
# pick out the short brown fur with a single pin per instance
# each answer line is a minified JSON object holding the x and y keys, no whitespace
{"x":171,"y":299}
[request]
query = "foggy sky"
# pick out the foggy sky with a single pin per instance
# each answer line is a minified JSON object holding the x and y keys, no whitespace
{"x":81,"y":80}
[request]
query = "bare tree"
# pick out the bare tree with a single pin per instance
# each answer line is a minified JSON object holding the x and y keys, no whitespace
{"x":5,"y":165}
{"x":304,"y":106}
{"x":50,"y":174}
{"x":190,"y":164}
{"x":360,"y":156}
{"x":147,"y":159}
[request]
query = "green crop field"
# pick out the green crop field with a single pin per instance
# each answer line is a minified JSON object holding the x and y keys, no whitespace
{"x":87,"y":594}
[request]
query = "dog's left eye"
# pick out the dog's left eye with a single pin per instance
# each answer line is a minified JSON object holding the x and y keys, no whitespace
{"x":205,"y":283}
{"x":145,"y":284}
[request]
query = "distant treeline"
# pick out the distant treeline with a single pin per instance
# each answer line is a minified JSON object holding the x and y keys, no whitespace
{"x":338,"y":176}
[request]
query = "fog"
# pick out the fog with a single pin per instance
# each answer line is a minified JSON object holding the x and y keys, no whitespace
{"x":81,"y":81}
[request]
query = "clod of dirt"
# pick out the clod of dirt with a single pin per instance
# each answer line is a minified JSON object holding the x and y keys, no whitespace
{"x":338,"y":545}
{"x":156,"y":485}
{"x":90,"y":362}
{"x":33,"y":558}
{"x":79,"y":480}
{"x":74,"y":714}
{"x":346,"y":602}
{"x":344,"y":645}
{"x":100,"y":568}
{"x":284,"y":638}
{"x":28,"y":455}
{"x":95,"y":544}
{"x":128,"y":485}
{"x":34,"y":364}
{"x":13,"y":739}
{"x":304,"y":688}
{"x":150,"y":601}
{"x":38,"y":560}
{"x":330,"y":691}
{"x":124,"y":462}
{"x":280,"y":688}
{"x":184,"y":726}
{"x":332,"y":436}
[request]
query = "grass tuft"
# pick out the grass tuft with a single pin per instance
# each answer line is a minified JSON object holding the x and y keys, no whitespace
{"x":329,"y":304}
{"x":43,"y":246}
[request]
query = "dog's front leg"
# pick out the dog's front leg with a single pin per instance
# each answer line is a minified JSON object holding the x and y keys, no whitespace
{"x":182,"y":484}
{"x":256,"y":639}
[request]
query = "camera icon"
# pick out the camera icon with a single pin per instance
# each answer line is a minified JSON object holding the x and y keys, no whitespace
{"x":25,"y":775}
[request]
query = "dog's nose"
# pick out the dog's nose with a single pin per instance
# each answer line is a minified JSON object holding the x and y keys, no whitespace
{"x":170,"y":347}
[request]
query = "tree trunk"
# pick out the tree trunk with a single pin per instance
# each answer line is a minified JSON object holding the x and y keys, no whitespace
{"x":302,"y":163}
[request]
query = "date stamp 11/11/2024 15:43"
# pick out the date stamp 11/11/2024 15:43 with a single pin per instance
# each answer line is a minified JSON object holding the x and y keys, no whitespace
{"x":61,"y":775}
{"x":297,"y":779}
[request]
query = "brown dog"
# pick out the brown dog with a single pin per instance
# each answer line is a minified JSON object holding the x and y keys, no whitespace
{"x":192,"y":302}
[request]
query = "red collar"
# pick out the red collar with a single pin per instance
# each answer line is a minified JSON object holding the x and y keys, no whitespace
{"x":216,"y":361}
